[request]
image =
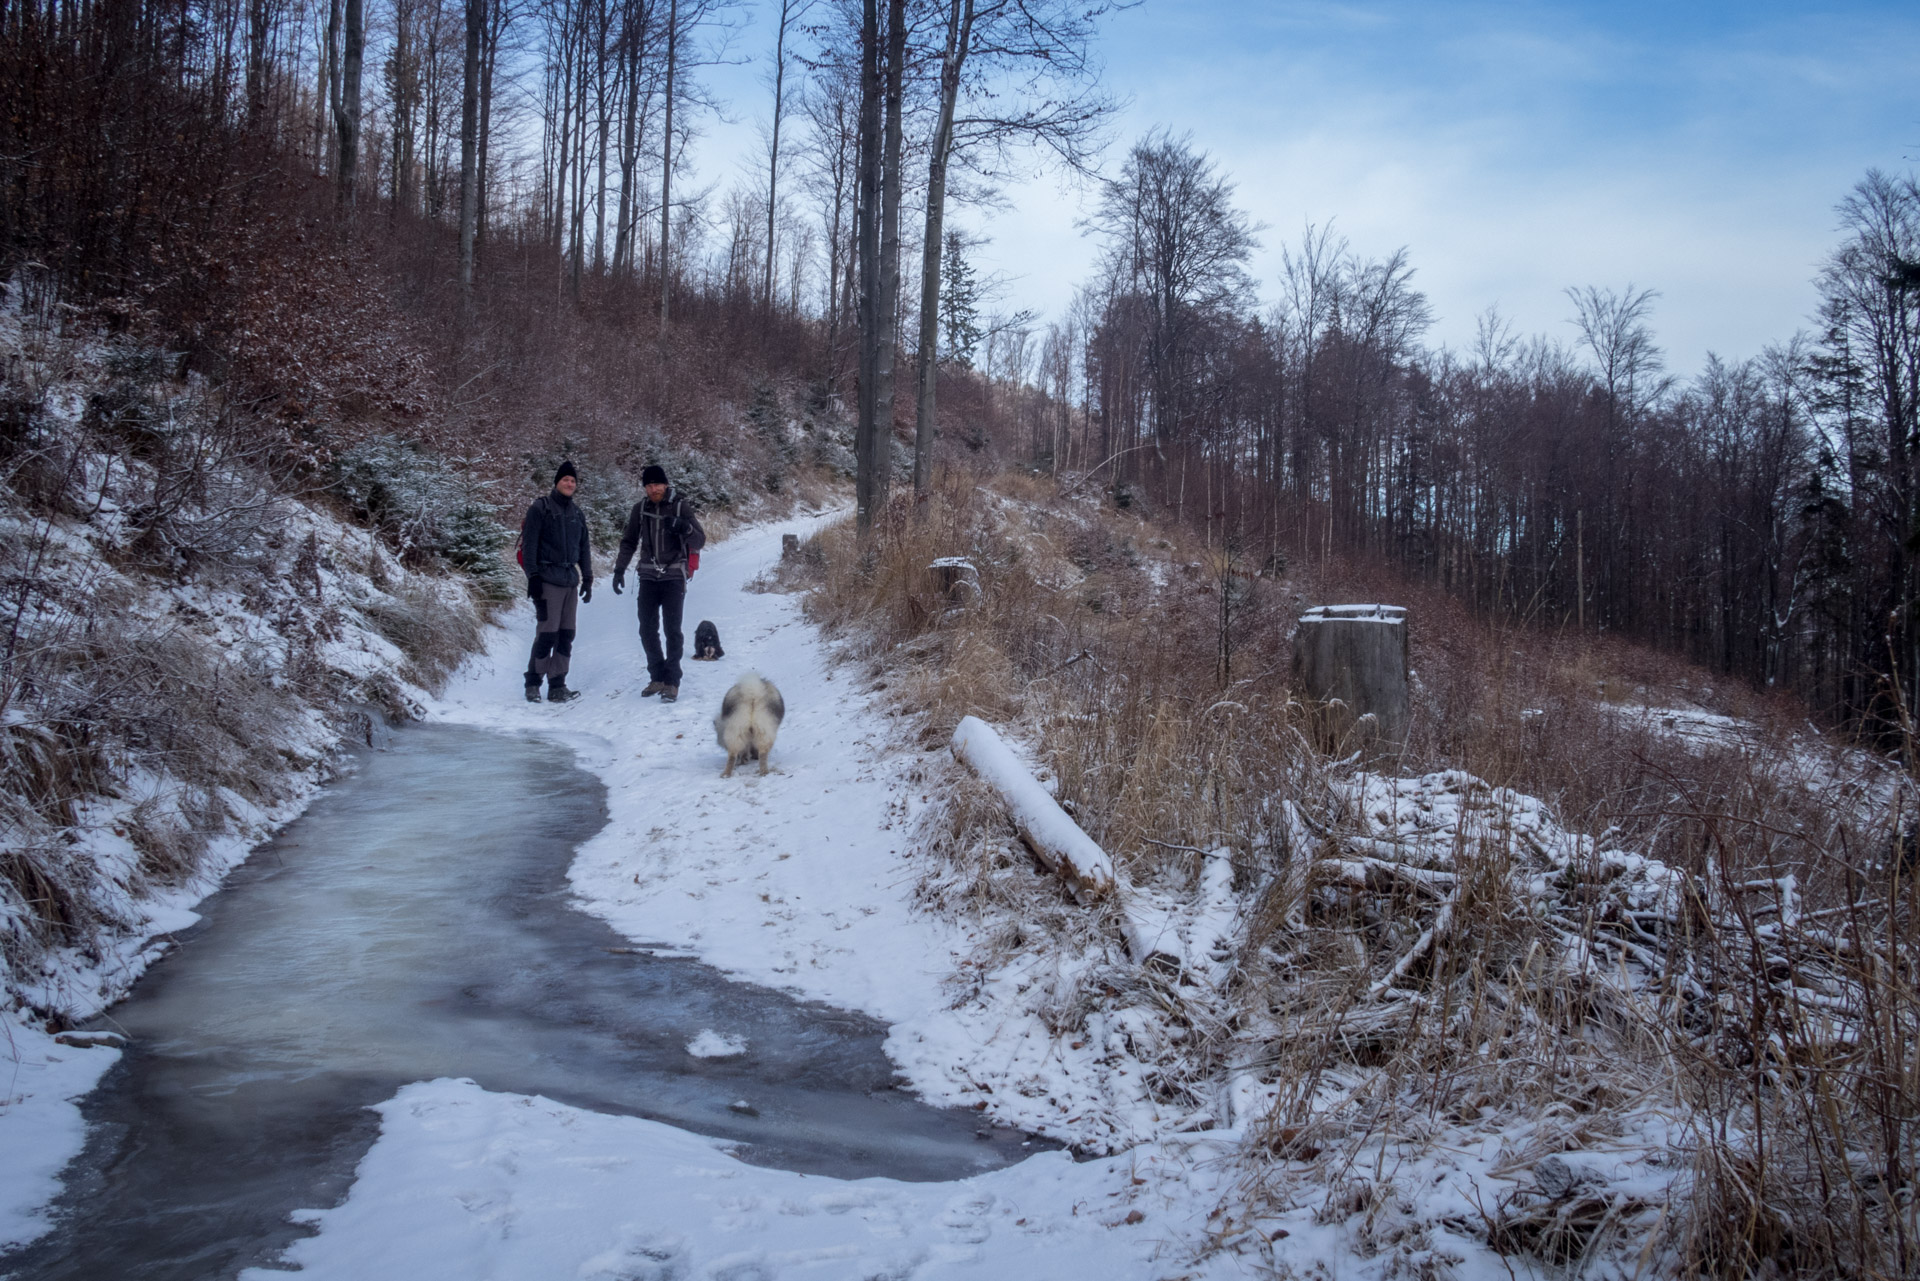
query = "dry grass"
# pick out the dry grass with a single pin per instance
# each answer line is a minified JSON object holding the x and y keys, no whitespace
{"x":1767,"y":992}
{"x":434,"y":632}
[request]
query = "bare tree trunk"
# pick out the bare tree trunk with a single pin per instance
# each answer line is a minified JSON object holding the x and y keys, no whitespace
{"x":889,"y":310}
{"x":259,"y":31}
{"x":627,"y":218}
{"x":563,"y":172}
{"x":470,"y":145}
{"x":953,"y":58}
{"x":787,"y":11}
{"x":577,"y":233}
{"x":489,"y":56}
{"x":603,"y":126}
{"x":346,"y":112}
{"x":405,"y":102}
{"x":837,"y":255}
{"x":666,"y":168}
{"x":330,"y":77}
{"x":867,"y":248}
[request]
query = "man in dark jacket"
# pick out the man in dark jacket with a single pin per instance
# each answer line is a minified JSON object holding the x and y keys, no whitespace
{"x":558,"y":557}
{"x":661,"y":531}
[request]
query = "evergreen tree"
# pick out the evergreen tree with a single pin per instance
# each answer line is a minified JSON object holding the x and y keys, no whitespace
{"x":959,"y":303}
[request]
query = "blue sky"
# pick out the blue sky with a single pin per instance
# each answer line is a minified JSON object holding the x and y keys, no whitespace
{"x":1516,"y":149}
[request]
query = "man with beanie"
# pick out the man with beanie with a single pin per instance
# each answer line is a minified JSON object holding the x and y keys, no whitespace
{"x":558,"y":557}
{"x":661,"y":531}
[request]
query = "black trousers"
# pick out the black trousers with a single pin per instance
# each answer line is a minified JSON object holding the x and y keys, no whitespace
{"x":662,"y":601}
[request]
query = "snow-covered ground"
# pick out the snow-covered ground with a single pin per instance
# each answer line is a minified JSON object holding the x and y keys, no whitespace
{"x":40,"y":1126}
{"x":804,"y":880}
{"x":800,"y":880}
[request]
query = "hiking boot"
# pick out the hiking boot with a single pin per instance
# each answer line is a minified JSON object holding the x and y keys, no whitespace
{"x":669,"y":693}
{"x":557,"y":692}
{"x":533,"y":693}
{"x":653,"y":687}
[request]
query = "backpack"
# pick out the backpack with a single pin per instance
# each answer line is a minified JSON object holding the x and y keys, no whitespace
{"x":693,"y":557}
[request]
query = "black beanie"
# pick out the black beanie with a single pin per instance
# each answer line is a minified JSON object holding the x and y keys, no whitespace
{"x":654,"y":474}
{"x":565,"y":469}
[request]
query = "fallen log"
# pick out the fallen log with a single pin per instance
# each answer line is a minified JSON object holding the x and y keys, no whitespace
{"x":1056,"y":840}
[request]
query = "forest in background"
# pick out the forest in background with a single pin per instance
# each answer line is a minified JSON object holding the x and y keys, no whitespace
{"x":475,"y":226}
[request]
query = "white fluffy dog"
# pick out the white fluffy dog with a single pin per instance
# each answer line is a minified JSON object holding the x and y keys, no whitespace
{"x":749,"y":717}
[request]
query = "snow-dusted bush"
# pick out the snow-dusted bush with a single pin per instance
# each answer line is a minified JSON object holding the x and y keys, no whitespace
{"x":697,"y":477}
{"x":830,"y":446}
{"x":426,"y":506}
{"x":767,"y":420}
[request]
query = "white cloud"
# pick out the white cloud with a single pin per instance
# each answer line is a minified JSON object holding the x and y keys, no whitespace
{"x":1516,"y":150}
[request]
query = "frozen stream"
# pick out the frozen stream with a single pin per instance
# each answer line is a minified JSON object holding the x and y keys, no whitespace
{"x":416,"y":924}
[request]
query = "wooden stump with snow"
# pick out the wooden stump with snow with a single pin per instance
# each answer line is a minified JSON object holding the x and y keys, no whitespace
{"x":1353,"y":658}
{"x":954,"y":579}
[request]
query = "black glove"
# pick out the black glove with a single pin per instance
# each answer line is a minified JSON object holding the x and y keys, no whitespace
{"x":586,"y":592}
{"x":682,"y":526}
{"x":619,"y":580}
{"x":533,"y":588}
{"x":540,"y":607}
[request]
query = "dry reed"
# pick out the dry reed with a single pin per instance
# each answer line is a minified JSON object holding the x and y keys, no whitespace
{"x":1719,"y":925}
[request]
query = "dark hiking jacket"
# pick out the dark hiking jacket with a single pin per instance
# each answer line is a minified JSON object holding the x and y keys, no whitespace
{"x":554,"y":542}
{"x":659,"y":536}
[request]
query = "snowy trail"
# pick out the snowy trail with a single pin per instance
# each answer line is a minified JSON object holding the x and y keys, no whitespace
{"x":797,"y":880}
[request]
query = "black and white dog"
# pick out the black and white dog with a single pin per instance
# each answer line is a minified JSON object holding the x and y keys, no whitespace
{"x":750,"y":716}
{"x":706,"y":642}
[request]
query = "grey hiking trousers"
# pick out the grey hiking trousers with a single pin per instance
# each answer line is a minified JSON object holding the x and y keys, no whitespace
{"x":553,"y":635}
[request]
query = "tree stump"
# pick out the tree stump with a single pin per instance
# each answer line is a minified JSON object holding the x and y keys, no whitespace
{"x":1353,"y":660}
{"x":789,"y":547}
{"x":954,"y":579}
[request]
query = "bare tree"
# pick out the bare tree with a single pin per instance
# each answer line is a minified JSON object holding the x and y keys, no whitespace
{"x":476,"y":23}
{"x":401,"y":72}
{"x":1614,"y":328}
{"x":636,"y":32}
{"x":832,"y":108}
{"x":1176,"y":241}
{"x":868,"y":448}
{"x":1035,"y":56}
{"x":791,"y":11}
{"x":887,"y":311}
{"x":500,"y":14}
{"x":666,"y":165}
{"x":328,"y":94}
{"x":346,"y":109}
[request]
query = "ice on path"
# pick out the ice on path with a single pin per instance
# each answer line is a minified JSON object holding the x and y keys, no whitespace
{"x":712,"y":1045}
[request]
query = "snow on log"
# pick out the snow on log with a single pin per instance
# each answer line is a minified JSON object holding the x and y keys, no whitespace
{"x":1054,"y":837}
